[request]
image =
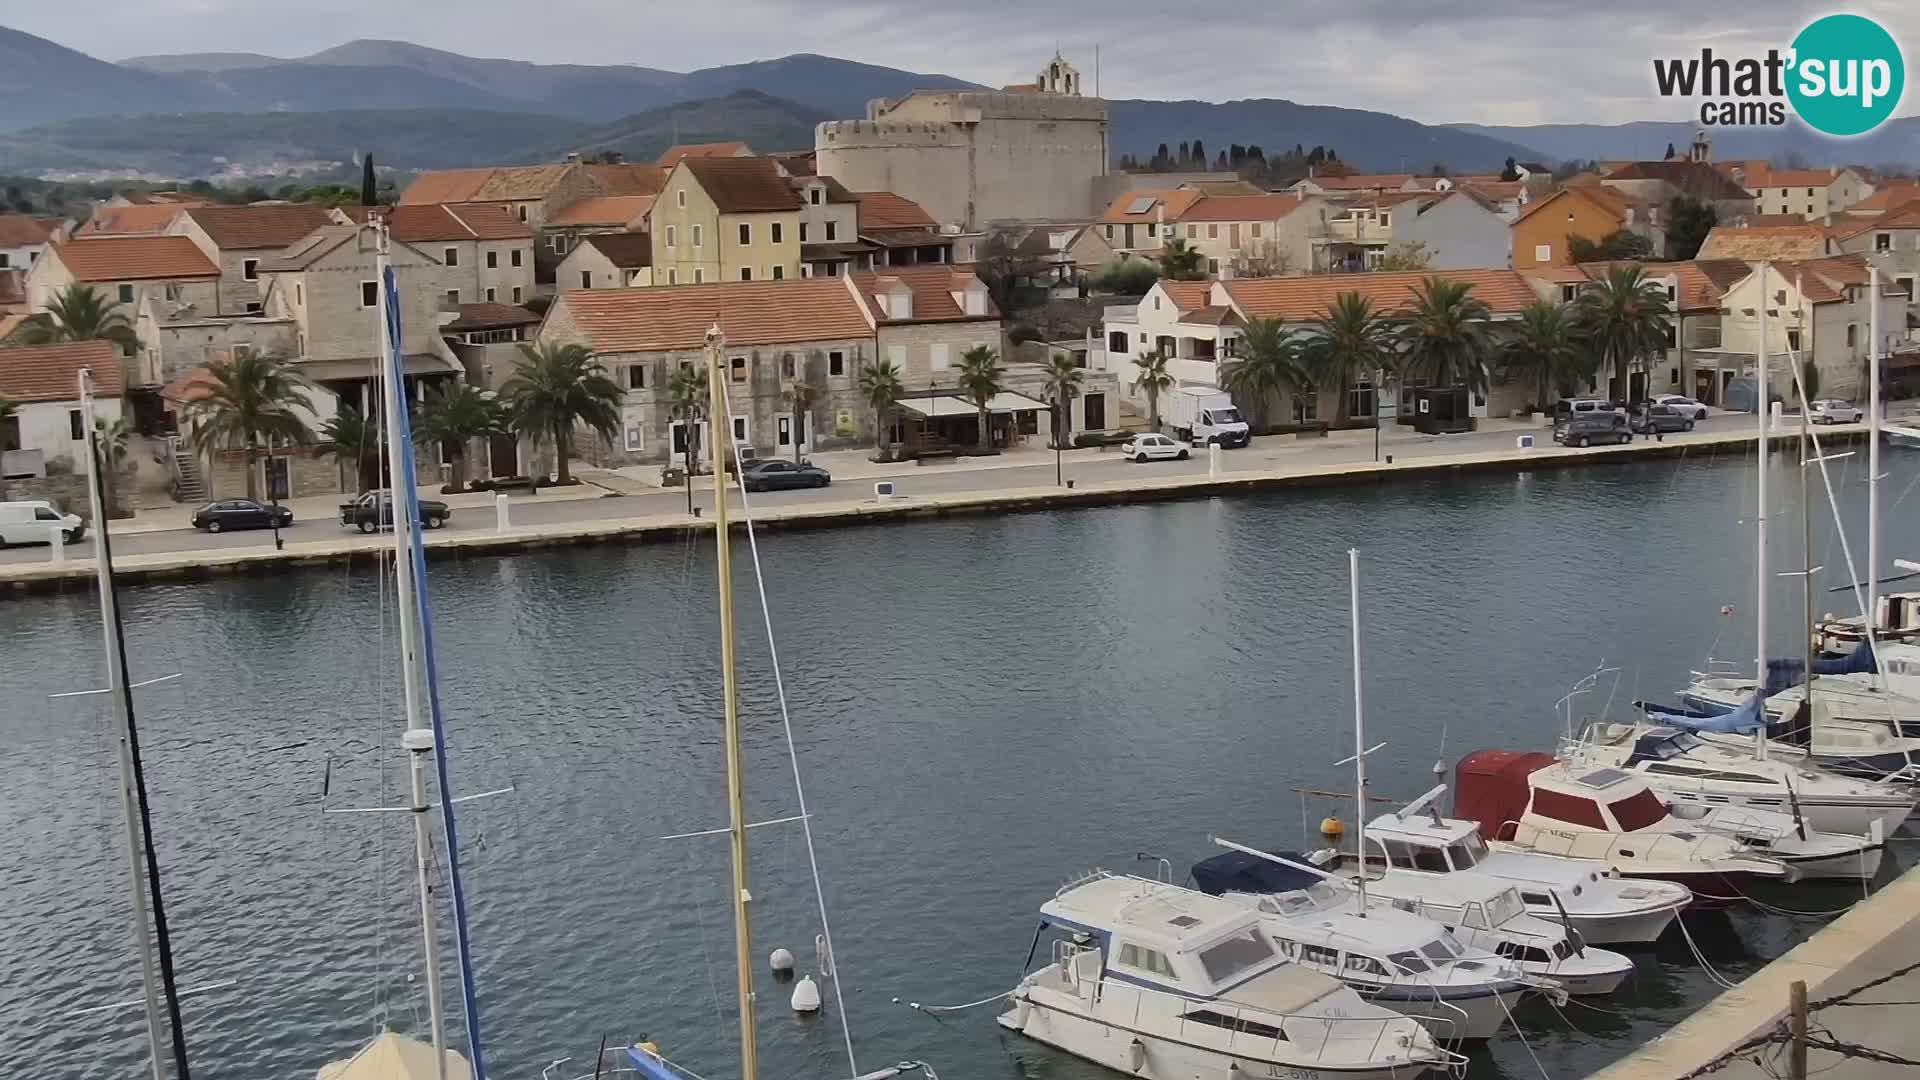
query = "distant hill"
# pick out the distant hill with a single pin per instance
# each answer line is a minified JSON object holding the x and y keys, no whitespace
{"x":41,"y":81}
{"x":765,"y":122}
{"x":1898,"y":141}
{"x":1369,"y":141}
{"x":840,"y":88}
{"x":213,"y":61}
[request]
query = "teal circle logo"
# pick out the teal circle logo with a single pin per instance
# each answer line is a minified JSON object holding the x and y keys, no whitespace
{"x":1846,"y":75}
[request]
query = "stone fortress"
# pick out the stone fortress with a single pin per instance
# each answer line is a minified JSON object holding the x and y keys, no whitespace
{"x":972,"y":157}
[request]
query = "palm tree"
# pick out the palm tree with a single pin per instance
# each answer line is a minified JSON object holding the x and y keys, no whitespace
{"x":1541,"y":346}
{"x":111,"y":436}
{"x":800,"y":398}
{"x":981,"y":379}
{"x":1623,"y":316}
{"x":1154,"y":379}
{"x":1179,"y":262}
{"x":1270,"y":361}
{"x":880,"y":383}
{"x":1063,"y":385}
{"x":555,"y":389}
{"x":687,"y":390}
{"x":1354,"y":342}
{"x":453,"y":418}
{"x":250,"y":399}
{"x":1444,"y":341}
{"x":78,"y":313}
{"x":349,"y":435}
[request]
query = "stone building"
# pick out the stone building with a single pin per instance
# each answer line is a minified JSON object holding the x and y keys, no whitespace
{"x":1029,"y":152}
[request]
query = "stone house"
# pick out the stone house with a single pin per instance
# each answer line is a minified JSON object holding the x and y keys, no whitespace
{"x":1540,"y":234}
{"x":485,"y":253}
{"x":1892,"y":241}
{"x":1071,"y":252}
{"x":830,"y":241}
{"x":1139,"y":223}
{"x":726,"y":219}
{"x":1254,"y":235}
{"x":140,"y":220}
{"x":675,"y":154}
{"x":1456,"y":229}
{"x":896,"y":231}
{"x":125,"y":270}
{"x":239,"y":238}
{"x":589,"y":217}
{"x":1695,"y":290}
{"x":1354,"y":184}
{"x":1818,"y":309}
{"x":46,"y":429}
{"x":1812,"y":193}
{"x":23,"y":238}
{"x":616,"y":260}
{"x":1655,"y":184}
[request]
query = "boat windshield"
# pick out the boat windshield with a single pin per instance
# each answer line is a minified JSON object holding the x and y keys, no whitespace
{"x":1676,"y":745}
{"x":1410,"y":963}
{"x":1320,"y":894}
{"x":1442,"y":948}
{"x":1638,"y":810}
{"x":1239,"y":953}
{"x":1505,"y":905}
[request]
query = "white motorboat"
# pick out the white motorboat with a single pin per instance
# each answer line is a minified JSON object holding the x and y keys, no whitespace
{"x":1170,"y":984}
{"x":1855,"y":726}
{"x":1485,"y":915}
{"x":1683,"y":768}
{"x":1528,"y":802}
{"x":1897,"y":620}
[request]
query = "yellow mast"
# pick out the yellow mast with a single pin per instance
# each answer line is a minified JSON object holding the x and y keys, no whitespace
{"x":719,"y":423}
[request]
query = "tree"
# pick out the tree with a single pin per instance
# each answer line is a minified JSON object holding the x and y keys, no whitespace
{"x":1186,"y":153}
{"x":453,"y":418}
{"x":369,"y":191}
{"x":1179,"y":262}
{"x":249,"y":400}
{"x":1271,"y":361}
{"x":1354,"y":342}
{"x":1541,"y":347}
{"x":1063,"y":385}
{"x":78,"y":313}
{"x":1688,"y":223}
{"x":1444,"y":340}
{"x":1615,"y":246}
{"x":1809,"y":382}
{"x":1153,"y":380}
{"x":800,"y":398}
{"x":1127,"y":277}
{"x":349,"y":436}
{"x":1671,"y":153}
{"x":687,"y":392}
{"x":1199,"y":153}
{"x":555,"y":389}
{"x":1263,"y":258}
{"x":880,"y":385}
{"x":1623,"y":317}
{"x":1511,"y":172}
{"x":1407,"y":255}
{"x":1006,"y":270}
{"x":111,"y":436}
{"x":981,"y":379}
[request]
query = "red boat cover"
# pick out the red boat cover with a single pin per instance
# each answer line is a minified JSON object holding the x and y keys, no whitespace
{"x":1490,"y":786}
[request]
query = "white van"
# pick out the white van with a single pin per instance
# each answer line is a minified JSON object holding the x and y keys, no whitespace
{"x":32,"y":522}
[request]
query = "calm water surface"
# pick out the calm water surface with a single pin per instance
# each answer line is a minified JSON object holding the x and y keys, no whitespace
{"x":983,"y":708}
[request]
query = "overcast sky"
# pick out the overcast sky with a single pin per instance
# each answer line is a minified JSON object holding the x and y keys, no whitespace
{"x":1493,"y":61}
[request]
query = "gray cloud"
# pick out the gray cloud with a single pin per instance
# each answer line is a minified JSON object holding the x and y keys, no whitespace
{"x":1497,"y":62}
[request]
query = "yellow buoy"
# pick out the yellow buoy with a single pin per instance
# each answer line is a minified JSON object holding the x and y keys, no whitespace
{"x":1332,"y":826}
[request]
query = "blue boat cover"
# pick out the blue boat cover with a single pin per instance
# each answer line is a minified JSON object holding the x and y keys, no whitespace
{"x":1236,"y":871}
{"x":652,"y":1066}
{"x":1746,"y":718}
{"x":1858,"y":662}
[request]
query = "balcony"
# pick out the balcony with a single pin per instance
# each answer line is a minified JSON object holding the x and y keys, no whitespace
{"x":1366,"y":229}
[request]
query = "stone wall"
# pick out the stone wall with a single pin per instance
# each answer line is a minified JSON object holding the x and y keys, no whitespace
{"x":68,"y":491}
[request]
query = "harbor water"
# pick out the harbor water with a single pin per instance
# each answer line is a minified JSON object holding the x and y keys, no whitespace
{"x":983,"y":707}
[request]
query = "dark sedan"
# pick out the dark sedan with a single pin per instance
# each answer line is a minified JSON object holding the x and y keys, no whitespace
{"x":782,"y":475}
{"x":1660,"y":419}
{"x":240,"y":514}
{"x":374,"y":510}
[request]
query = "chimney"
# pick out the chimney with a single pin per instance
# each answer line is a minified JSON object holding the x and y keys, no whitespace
{"x":896,"y":298}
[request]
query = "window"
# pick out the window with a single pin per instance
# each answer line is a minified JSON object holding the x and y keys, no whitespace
{"x":1543,"y":253}
{"x":1882,"y":241}
{"x":6,"y":259}
{"x":1793,"y":340}
{"x":453,"y":257}
{"x":696,"y":235}
{"x":936,"y":356}
{"x":813,"y":196}
{"x":453,"y":296}
{"x":1109,"y":231}
{"x":557,"y":243}
{"x":1673,"y":292}
{"x":1151,"y":226}
{"x":739,"y":367}
{"x":1213,"y":232}
{"x":1462,"y":855}
{"x":1638,"y":810}
{"x":1306,"y":407}
{"x":255,"y":308}
{"x":126,"y":294}
{"x":746,"y":234}
{"x":1386,"y":220}
{"x":673,"y":277}
{"x":774,"y":231}
{"x":522,"y":211}
{"x":1229,"y":958}
{"x":514,"y":258}
{"x":779,"y":273}
{"x":803,"y":232}
{"x":1571,"y":809}
{"x":1152,"y":960}
{"x":786,"y":365}
{"x":671,"y":237}
{"x":369,"y":294}
{"x":1256,"y":229}
{"x":586,"y":279}
{"x":740,"y":429}
{"x":830,"y":230}
{"x":699,"y":275}
{"x":1673,"y":339}
{"x":1365,"y":966}
{"x":516,"y":294}
{"x":636,"y":437}
{"x":299,"y":294}
{"x":1193,"y":232}
{"x":1213,"y":266}
{"x":249,"y":269}
{"x":1853,"y":334}
{"x":493,"y":260}
{"x":746,"y":273}
{"x":73,"y":424}
{"x":636,"y":376}
{"x":680,"y":198}
{"x":1234,"y":1023}
{"x":836,"y":363}
{"x":491,"y":295}
{"x":1318,"y":954}
{"x":1117,"y":341}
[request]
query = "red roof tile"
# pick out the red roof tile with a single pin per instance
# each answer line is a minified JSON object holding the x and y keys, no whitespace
{"x":130,"y":220}
{"x":673,"y":318}
{"x":1152,"y":202}
{"x":1805,"y":241}
{"x":616,"y":210}
{"x":445,"y":185}
{"x":885,"y":210}
{"x":1301,"y":299}
{"x":636,"y":178}
{"x":19,"y":230}
{"x":257,"y":228}
{"x":674,"y":155}
{"x":742,"y":185}
{"x":1240,"y":208}
{"x":51,"y":372}
{"x":445,"y":222}
{"x":933,"y":288}
{"x":134,"y":258}
{"x":1187,"y":295}
{"x":490,"y":317}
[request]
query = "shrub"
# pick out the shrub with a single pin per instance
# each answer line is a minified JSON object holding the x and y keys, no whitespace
{"x":1127,"y":277}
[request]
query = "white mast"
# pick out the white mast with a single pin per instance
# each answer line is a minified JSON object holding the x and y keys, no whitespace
{"x":1359,"y":731}
{"x":116,"y":685}
{"x":418,"y":739}
{"x":1873,"y":448}
{"x":1764,"y":408}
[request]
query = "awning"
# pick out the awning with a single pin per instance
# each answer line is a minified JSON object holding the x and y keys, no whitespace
{"x":952,"y":406}
{"x":363,"y":368}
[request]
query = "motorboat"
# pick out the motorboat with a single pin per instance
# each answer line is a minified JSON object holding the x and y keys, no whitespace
{"x":1424,"y":850}
{"x":1854,"y":726}
{"x":1897,"y":620}
{"x":1685,"y":769}
{"x":1483,"y":914}
{"x":1525,"y":801}
{"x":1168,"y":983}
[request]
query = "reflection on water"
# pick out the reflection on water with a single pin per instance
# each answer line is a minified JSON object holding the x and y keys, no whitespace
{"x":984,"y":708}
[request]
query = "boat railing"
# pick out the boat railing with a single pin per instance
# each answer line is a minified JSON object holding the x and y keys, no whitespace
{"x":1071,"y":884}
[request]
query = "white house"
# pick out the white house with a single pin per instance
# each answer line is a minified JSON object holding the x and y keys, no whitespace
{"x":42,"y":382}
{"x":23,"y":238}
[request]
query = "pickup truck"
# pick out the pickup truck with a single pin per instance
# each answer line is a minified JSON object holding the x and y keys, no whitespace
{"x":374,"y":510}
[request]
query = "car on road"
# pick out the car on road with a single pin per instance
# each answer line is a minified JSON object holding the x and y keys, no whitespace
{"x":224,"y":514}
{"x":1150,"y":447}
{"x":1571,"y":407}
{"x":1683,"y":405}
{"x":1592,"y":429}
{"x":1834,"y":411}
{"x":784,"y":475}
{"x":31,"y":521}
{"x":374,"y":510}
{"x":1659,"y":420}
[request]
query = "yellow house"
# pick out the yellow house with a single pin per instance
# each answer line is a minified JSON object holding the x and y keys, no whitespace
{"x":726,"y":219}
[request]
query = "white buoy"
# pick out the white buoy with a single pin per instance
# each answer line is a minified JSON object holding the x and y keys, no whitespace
{"x":781,"y":961}
{"x":806,"y":995}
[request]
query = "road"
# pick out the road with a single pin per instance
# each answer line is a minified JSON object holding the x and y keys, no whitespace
{"x":1081,"y":466}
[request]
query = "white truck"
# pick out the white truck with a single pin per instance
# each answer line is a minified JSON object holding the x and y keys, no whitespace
{"x":1205,"y":415}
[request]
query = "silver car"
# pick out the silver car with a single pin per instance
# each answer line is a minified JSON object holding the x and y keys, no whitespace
{"x":1834,"y":411}
{"x":1683,"y":405}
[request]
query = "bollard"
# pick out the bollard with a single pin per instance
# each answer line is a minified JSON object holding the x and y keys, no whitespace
{"x":883,"y":490}
{"x":1213,"y":459}
{"x":501,"y":516}
{"x":57,"y":542}
{"x":1523,"y":442}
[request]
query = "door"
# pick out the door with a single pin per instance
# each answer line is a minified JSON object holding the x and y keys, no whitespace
{"x":503,"y":455}
{"x":1233,"y":236}
{"x":1128,"y":243}
{"x":1095,"y":406}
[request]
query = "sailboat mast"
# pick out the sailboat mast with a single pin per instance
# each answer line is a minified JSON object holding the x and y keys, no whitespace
{"x":736,"y":822}
{"x":1359,"y":730}
{"x":1873,"y":447}
{"x":418,"y":738}
{"x":133,"y":781}
{"x":1763,"y":408}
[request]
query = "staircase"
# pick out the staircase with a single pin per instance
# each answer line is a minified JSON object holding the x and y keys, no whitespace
{"x":188,"y":485}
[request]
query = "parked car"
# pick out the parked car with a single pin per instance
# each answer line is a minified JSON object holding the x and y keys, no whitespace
{"x":33,"y":522}
{"x":782,"y":475}
{"x":1570,"y":407}
{"x":240,"y":514}
{"x":374,"y":510}
{"x":1834,"y":411}
{"x":1592,"y":429}
{"x":1659,"y":420}
{"x":1683,"y":405}
{"x":1149,"y":447}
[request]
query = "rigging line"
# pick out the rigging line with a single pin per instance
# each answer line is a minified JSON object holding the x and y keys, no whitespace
{"x":1502,"y":999}
{"x":1701,"y":958}
{"x":169,"y":984}
{"x":786,"y":724}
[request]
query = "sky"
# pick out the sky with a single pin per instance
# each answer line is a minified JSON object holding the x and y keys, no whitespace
{"x":1489,"y":62}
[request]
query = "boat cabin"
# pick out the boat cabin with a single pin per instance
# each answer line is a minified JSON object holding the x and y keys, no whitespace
{"x":1164,"y":936}
{"x":1498,"y":787}
{"x":1663,"y":751}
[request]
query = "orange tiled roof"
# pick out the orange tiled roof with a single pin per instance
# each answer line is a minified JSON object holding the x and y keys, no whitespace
{"x":674,"y":155}
{"x":1802,"y":178}
{"x":1497,"y":190}
{"x":933,"y":288}
{"x":604,"y":210}
{"x":254,"y":228}
{"x":490,"y":317}
{"x":1300,"y":299}
{"x":134,"y":258}
{"x":742,"y":185}
{"x":20,"y":230}
{"x":1775,"y":242}
{"x":442,"y":222}
{"x":445,"y":185}
{"x":1240,"y":208}
{"x":193,"y":384}
{"x":629,"y":178}
{"x":885,"y":210}
{"x":675,"y":318}
{"x":130,"y":220}
{"x":1187,"y":295}
{"x":1894,"y":195}
{"x":52,"y":372}
{"x":1906,"y":216}
{"x":1603,"y":197}
{"x":1173,"y":201}
{"x":1362,"y":181}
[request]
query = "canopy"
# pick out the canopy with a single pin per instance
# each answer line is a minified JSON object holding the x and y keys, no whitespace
{"x":1490,"y":786}
{"x":1005,"y":401}
{"x":1237,"y":871}
{"x":1746,"y":718}
{"x":395,"y":1057}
